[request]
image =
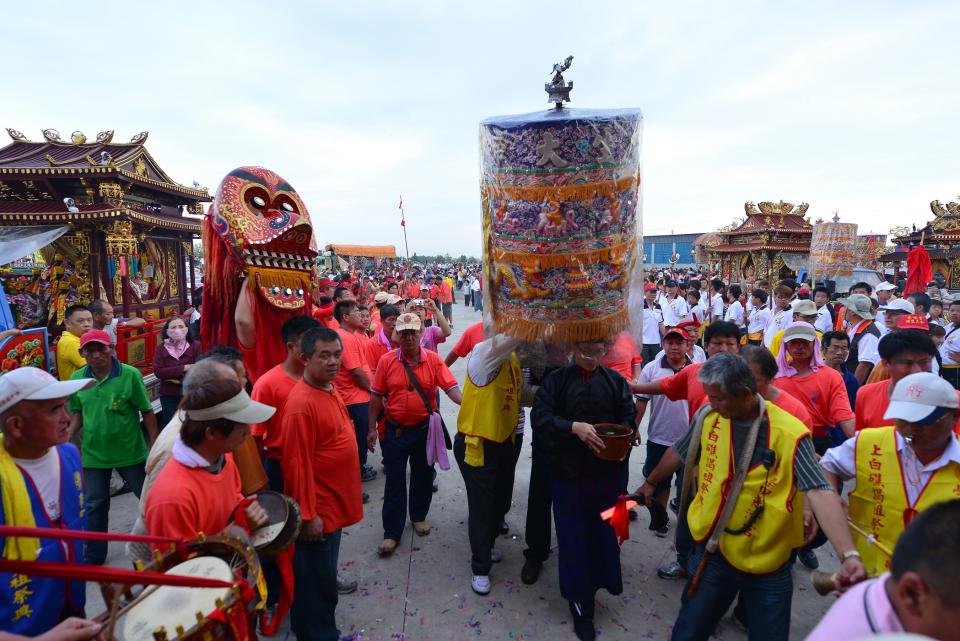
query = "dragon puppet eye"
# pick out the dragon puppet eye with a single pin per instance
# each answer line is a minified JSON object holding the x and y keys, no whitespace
{"x":258,"y":202}
{"x":288,"y":207}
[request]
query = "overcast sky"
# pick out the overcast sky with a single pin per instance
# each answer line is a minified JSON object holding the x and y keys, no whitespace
{"x":850,"y":106}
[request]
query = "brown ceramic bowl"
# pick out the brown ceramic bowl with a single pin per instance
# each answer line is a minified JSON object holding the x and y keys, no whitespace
{"x":618,"y":440}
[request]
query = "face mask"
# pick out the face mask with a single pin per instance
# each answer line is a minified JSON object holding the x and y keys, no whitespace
{"x":177,"y":334}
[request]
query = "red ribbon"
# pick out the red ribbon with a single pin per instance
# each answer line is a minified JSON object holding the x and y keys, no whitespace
{"x":103,"y":574}
{"x":284,"y":562}
{"x":65,"y":535}
{"x":620,"y":520}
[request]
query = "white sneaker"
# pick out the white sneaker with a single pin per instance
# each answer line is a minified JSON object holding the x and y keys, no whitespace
{"x":495,"y":555}
{"x":480,"y":584}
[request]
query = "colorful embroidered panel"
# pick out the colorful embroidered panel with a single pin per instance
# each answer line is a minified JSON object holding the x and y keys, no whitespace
{"x":561,"y":218}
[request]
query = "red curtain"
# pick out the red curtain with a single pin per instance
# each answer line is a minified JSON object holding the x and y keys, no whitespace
{"x":919,"y":271}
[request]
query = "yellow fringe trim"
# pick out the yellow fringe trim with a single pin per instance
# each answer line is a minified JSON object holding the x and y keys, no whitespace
{"x":613,"y":254}
{"x":583,"y":191}
{"x":270,"y":277}
{"x":585,"y":330}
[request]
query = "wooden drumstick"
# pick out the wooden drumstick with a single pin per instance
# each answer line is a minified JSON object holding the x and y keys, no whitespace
{"x":112,"y":621}
{"x":871,"y":539}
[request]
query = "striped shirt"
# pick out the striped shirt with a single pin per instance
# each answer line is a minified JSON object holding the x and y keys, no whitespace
{"x":807,"y":474}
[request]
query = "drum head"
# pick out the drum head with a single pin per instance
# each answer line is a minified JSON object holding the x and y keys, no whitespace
{"x":283,"y":525}
{"x":277,"y":510}
{"x":171,"y":606}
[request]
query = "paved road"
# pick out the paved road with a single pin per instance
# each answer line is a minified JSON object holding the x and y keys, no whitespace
{"x":423,"y":591}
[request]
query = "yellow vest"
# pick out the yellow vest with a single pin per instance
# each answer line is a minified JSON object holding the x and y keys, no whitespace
{"x":490,"y":412}
{"x":768,"y":543}
{"x":879,"y":503}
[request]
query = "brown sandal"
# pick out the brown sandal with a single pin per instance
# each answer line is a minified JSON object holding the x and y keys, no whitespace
{"x":421,"y":528}
{"x":388,"y":547}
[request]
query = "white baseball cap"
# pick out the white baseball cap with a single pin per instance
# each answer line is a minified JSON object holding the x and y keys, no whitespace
{"x":35,"y":384}
{"x":921,"y":398}
{"x":884,"y":287}
{"x":239,"y":409}
{"x":899,"y":305}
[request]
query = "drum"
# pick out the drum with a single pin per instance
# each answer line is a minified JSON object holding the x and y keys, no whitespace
{"x":167,"y":613}
{"x":283,"y":526}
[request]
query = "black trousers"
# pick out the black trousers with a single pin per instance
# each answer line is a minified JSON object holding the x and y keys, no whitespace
{"x":315,"y":572}
{"x":539,"y":499}
{"x":489,"y":492}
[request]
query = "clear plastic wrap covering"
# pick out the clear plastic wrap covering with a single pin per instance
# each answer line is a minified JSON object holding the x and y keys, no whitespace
{"x":833,"y":250}
{"x":870,"y":247}
{"x":560,"y":192}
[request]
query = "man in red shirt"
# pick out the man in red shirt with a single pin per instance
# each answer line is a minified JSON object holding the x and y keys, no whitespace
{"x":406,"y":417}
{"x":199,"y":487}
{"x":272,"y":389}
{"x":818,"y":387}
{"x":719,"y":337}
{"x":321,"y":472}
{"x":353,"y":380}
{"x":904,"y":352}
{"x":446,"y":298}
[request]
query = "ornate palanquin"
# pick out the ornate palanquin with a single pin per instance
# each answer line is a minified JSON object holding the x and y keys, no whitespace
{"x":132,"y":227}
{"x":771,"y":243}
{"x":940,"y":237}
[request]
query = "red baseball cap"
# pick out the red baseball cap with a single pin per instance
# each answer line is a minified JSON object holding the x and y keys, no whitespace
{"x":648,"y":287}
{"x":913,"y":321}
{"x":675,"y":331}
{"x":95,"y":336}
{"x":326,"y":282}
{"x":691,"y":323}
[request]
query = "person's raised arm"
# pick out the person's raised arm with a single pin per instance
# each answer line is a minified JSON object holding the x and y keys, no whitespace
{"x":646,"y":388}
{"x":243,"y":317}
{"x":442,"y":323}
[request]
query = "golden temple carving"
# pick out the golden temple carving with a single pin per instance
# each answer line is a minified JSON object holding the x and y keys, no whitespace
{"x":120,"y":239}
{"x":78,"y":138}
{"x":110,"y":189}
{"x":140,"y":167}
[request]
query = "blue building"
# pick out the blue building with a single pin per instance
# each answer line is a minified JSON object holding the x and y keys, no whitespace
{"x":657,"y":249}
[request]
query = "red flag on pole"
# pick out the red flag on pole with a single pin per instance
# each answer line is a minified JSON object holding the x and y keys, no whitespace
{"x":403,"y":221}
{"x":919,"y":270}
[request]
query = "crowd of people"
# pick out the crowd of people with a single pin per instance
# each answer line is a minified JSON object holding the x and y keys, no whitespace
{"x":765,"y":403}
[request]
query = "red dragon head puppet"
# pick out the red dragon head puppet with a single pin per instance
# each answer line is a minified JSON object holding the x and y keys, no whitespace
{"x":259,"y":255}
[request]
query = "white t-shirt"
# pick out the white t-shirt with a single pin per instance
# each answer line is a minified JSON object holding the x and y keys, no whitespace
{"x":950,"y":344}
{"x":668,"y":419}
{"x":112,"y":330}
{"x":652,"y":317}
{"x":716,"y":307}
{"x":45,"y":474}
{"x":674,"y":311}
{"x":824,"y":321}
{"x":735,"y":313}
{"x":779,"y":319}
{"x":759,"y":319}
{"x":867,"y":347}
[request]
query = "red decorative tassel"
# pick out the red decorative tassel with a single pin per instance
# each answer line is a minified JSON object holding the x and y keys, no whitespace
{"x":620,"y":520}
{"x":284,"y":561}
